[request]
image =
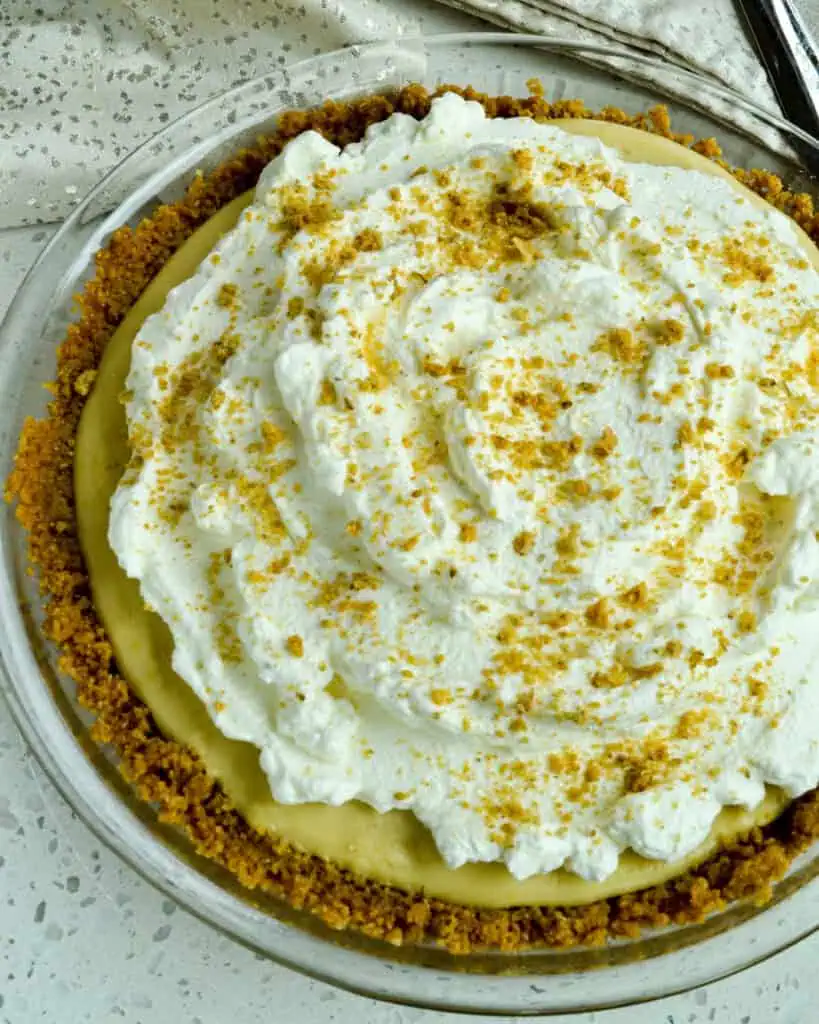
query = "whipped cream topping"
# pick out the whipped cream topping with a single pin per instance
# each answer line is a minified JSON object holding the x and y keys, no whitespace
{"x":475,"y":473}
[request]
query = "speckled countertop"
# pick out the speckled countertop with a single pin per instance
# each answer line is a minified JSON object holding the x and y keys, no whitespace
{"x":84,"y":939}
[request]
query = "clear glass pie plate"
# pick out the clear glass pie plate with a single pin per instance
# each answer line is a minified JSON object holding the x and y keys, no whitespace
{"x":43,"y":701}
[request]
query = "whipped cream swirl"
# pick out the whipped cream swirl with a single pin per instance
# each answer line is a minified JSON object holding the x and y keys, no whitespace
{"x":475,"y":473}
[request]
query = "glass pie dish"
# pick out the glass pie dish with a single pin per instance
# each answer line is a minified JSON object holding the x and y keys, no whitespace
{"x":42,"y":699}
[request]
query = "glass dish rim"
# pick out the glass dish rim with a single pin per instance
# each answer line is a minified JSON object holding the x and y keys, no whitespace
{"x":164,"y":871}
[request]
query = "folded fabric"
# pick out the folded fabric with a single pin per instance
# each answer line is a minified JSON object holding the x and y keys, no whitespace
{"x":82,"y":82}
{"x":709,"y":38}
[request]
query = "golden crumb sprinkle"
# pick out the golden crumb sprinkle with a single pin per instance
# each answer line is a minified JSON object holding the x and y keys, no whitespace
{"x":295,"y":645}
{"x":668,"y":332}
{"x":272,"y":435}
{"x":611,"y":678}
{"x":440,"y":697}
{"x":636,"y":596}
{"x":301,"y":211}
{"x":719,"y":371}
{"x":599,"y":613}
{"x":226,"y":296}
{"x":468,"y":532}
{"x":568,"y":543}
{"x":581,"y":488}
{"x":620,"y":344}
{"x":691,"y":723}
{"x":368,"y":240}
{"x":746,"y":622}
{"x":745,"y":261}
{"x":524,"y":542}
{"x":605,"y":445}
{"x":523,"y":159}
{"x":685,"y":434}
{"x":327,"y":393}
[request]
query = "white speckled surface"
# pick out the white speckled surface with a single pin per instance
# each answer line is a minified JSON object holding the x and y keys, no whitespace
{"x":83,"y":940}
{"x":82,"y":82}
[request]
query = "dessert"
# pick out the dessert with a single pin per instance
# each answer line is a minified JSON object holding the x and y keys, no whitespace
{"x":415,"y":637}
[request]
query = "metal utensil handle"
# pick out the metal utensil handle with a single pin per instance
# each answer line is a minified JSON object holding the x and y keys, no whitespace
{"x":804,"y":49}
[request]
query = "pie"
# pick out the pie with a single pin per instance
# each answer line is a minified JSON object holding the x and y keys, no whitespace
{"x":459,"y":496}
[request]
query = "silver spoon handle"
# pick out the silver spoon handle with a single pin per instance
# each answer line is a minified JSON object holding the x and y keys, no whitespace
{"x":791,"y":60}
{"x":797,"y":37}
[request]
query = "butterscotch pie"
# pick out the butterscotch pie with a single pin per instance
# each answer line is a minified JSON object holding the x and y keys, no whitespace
{"x":428,"y":510}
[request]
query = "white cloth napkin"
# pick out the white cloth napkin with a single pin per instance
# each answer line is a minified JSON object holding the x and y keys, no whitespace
{"x":707,"y":37}
{"x":84,"y":81}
